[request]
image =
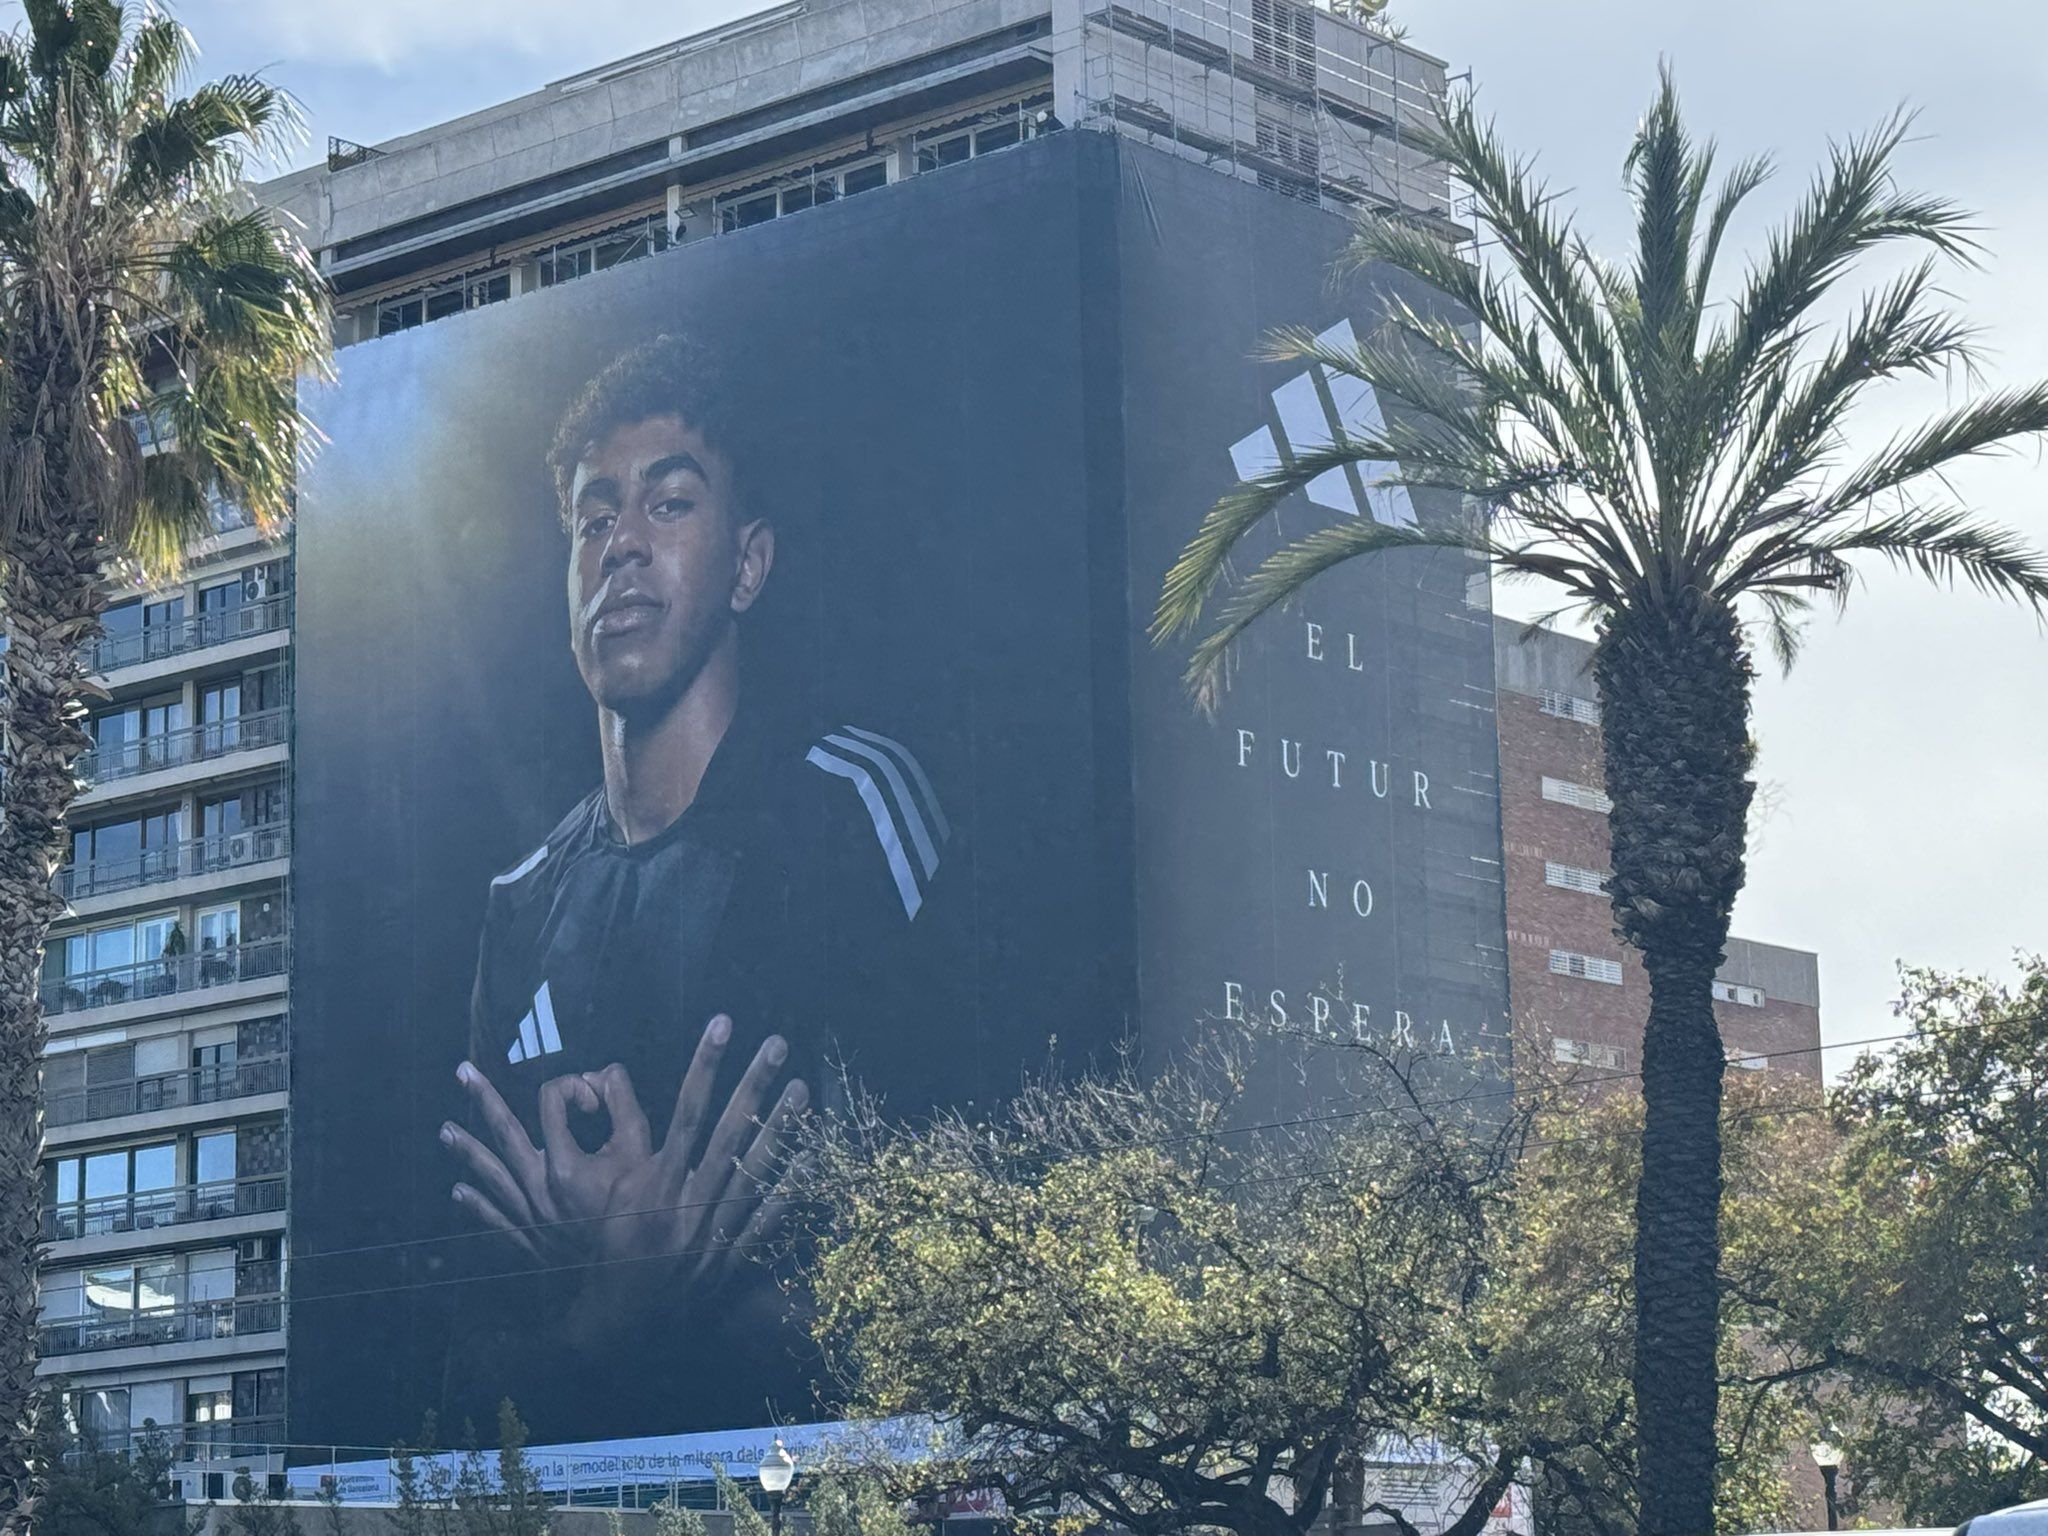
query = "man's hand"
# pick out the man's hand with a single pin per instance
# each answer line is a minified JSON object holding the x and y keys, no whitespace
{"x":704,"y":1197}
{"x":547,"y":1200}
{"x":692,"y":1206}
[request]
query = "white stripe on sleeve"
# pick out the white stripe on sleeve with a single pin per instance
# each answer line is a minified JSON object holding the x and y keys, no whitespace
{"x":885,"y":825}
{"x":911,"y":766}
{"x":900,"y":794}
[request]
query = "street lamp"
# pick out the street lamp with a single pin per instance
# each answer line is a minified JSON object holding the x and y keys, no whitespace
{"x":1828,"y":1457}
{"x":778,"y":1470}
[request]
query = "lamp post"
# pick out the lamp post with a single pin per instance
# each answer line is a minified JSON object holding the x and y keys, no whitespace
{"x":1828,"y":1457}
{"x":778,"y":1470}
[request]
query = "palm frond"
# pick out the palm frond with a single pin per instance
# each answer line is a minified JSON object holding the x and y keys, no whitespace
{"x":1517,"y":211}
{"x":1286,"y":571}
{"x":1947,"y":545}
{"x":1202,"y":565}
{"x":1797,"y":421}
{"x":1990,"y":425}
{"x":203,"y":140}
{"x":159,"y":53}
{"x":1853,"y":206}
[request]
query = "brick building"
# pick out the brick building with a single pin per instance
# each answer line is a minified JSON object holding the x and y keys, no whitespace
{"x":1579,"y":998}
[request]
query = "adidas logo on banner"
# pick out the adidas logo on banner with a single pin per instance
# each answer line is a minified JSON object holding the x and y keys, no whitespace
{"x":537,"y":1033}
{"x":1311,"y":409}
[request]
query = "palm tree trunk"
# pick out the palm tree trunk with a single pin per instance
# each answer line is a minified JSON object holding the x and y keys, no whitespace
{"x":1675,"y":682}
{"x":51,"y":599}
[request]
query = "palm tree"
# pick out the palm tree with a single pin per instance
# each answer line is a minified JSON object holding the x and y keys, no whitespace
{"x":128,"y":257}
{"x":1669,"y":451}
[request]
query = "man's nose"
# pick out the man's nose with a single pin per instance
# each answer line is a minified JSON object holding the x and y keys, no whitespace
{"x":628,"y":542}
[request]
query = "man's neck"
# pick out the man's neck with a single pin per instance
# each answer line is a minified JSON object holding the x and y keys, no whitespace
{"x":654,"y":765}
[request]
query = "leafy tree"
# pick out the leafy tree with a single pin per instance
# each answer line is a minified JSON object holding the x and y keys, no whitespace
{"x":92,"y":1491}
{"x":501,"y":1496}
{"x":1669,"y":449}
{"x":1925,"y":1291}
{"x":1559,"y":1306}
{"x":125,"y":256}
{"x":1120,"y":1309}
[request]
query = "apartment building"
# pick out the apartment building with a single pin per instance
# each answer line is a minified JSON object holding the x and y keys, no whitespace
{"x":165,"y":1298}
{"x":164,"y":990}
{"x":1579,"y":998}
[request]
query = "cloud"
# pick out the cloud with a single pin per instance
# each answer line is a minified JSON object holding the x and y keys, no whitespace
{"x":402,"y":36}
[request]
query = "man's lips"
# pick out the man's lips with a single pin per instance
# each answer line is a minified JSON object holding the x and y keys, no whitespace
{"x":624,"y":614}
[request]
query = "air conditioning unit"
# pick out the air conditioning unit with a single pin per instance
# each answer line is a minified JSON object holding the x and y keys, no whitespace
{"x":241,"y":847}
{"x":256,"y":585}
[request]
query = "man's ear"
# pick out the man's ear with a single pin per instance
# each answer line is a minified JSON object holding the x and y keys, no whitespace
{"x":757,"y":558}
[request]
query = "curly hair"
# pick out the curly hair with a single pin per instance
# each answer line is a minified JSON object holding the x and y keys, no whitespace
{"x":666,"y":376}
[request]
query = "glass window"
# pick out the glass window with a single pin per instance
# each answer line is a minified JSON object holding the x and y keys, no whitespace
{"x":110,"y":1292}
{"x":944,"y":152}
{"x":220,"y":928}
{"x":106,"y":1175}
{"x":865,"y":178}
{"x":211,"y":1277}
{"x":156,"y":1167}
{"x":156,"y":1285}
{"x":102,"y":1415}
{"x":214,"y":1158}
{"x":63,"y":1294}
{"x":221,"y":596}
{"x":443,"y":302}
{"x":1000,"y":136}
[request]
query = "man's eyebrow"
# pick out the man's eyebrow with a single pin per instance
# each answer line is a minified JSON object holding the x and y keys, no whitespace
{"x":671,"y":464}
{"x":599,"y":488}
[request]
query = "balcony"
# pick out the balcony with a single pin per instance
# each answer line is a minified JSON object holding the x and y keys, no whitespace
{"x":169,"y":1090}
{"x":152,"y":1210}
{"x":163,"y":977}
{"x":195,"y":856}
{"x":177,"y":749}
{"x":194,"y":634}
{"x":198,"y":1322}
{"x":204,"y":1440}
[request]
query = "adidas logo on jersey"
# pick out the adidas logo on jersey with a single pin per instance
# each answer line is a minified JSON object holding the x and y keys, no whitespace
{"x":537,"y":1033}
{"x":1313,"y":409}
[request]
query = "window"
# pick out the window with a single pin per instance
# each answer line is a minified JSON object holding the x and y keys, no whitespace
{"x":1284,"y":37}
{"x":1568,"y":706}
{"x":626,"y":242}
{"x":864,"y":178}
{"x":811,"y":188}
{"x":404,"y":311}
{"x":1586,"y":1053}
{"x":114,"y":1191}
{"x":1749,"y":1061}
{"x":108,"y":962}
{"x":1734,"y":992}
{"x":220,"y":713}
{"x":1565,"y":962}
{"x":140,"y":630}
{"x":1571,"y":878}
{"x":209,"y":1411}
{"x":948,"y":151}
{"x":1565,"y":792}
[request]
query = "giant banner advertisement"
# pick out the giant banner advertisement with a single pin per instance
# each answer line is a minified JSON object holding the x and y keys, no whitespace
{"x":723,"y":688}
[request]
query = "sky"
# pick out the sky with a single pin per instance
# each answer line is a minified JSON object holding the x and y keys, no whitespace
{"x":1902,"y":759}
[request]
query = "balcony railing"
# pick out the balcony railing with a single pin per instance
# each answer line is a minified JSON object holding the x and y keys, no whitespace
{"x":168,"y":1090}
{"x":150,"y":1210}
{"x":173,"y":749}
{"x":176,"y":861}
{"x":207,"y":1440}
{"x":228,"y":1317}
{"x":193,"y":634}
{"x":163,"y":976}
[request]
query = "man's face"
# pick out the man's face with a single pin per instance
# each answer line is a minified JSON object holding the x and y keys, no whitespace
{"x":659,"y":562}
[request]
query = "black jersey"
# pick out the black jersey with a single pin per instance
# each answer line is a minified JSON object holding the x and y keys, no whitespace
{"x":793,"y":895}
{"x":786,"y":896}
